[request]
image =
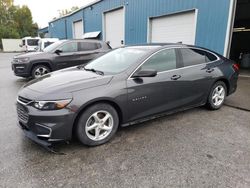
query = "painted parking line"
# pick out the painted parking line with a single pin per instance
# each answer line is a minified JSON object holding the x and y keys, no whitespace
{"x":244,"y":76}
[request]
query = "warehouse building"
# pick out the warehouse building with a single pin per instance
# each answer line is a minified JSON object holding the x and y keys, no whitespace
{"x":206,"y":23}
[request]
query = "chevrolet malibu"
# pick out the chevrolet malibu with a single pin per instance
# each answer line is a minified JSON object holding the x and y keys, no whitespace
{"x":128,"y":85}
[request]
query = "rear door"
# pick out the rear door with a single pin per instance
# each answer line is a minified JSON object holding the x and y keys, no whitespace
{"x":197,"y":75}
{"x":147,"y":96}
{"x":88,"y":51}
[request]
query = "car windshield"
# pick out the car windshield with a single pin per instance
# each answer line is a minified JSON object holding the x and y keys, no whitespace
{"x":53,"y":46}
{"x":118,"y":60}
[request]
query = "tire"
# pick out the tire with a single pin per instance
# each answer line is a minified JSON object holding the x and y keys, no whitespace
{"x":39,"y":70}
{"x":97,"y":124}
{"x":217,"y":96}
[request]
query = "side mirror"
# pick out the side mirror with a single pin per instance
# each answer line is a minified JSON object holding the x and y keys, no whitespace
{"x":58,"y":52}
{"x":145,"y":73}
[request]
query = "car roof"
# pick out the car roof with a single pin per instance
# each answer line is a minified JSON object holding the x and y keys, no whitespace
{"x":85,"y":40}
{"x":158,"y":46}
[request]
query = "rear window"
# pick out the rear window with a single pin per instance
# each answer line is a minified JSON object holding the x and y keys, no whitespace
{"x":32,"y":42}
{"x":195,"y":56}
{"x":88,"y":46}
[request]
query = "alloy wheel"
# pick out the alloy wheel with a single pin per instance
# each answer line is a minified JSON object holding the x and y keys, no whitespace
{"x":218,"y":95}
{"x":99,"y":125}
{"x":40,"y":71}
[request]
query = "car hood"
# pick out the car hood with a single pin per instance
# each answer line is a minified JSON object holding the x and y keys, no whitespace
{"x":66,"y":81}
{"x":30,"y":55}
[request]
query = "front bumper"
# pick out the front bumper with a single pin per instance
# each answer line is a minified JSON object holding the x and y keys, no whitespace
{"x":45,"y":127}
{"x":21,"y":69}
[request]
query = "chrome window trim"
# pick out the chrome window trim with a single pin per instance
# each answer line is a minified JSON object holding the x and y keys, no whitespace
{"x":184,"y":47}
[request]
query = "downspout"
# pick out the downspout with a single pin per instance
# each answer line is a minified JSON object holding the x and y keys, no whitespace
{"x":230,"y":26}
{"x":65,"y":26}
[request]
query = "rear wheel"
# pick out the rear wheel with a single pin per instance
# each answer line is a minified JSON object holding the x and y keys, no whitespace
{"x":97,"y":125}
{"x":40,"y":70}
{"x":217,"y":96}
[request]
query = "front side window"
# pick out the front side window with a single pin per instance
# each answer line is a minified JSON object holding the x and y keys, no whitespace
{"x":32,"y":42}
{"x":46,"y":44}
{"x":69,"y":47}
{"x":195,"y":56}
{"x":162,"y":61}
{"x":54,"y":46}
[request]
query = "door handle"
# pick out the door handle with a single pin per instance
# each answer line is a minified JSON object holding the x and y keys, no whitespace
{"x":209,"y":70}
{"x":176,"y":77}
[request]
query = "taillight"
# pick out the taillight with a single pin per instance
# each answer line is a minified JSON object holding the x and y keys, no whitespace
{"x":236,"y":67}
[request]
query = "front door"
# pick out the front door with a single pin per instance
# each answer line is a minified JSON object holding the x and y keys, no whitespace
{"x":152,"y":95}
{"x":68,"y":57}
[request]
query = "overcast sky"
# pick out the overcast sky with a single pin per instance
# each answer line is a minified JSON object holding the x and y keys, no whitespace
{"x":44,"y":11}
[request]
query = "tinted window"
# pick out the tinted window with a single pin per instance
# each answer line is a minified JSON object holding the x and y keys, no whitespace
{"x":162,"y":61}
{"x":87,"y":46}
{"x":53,"y":47}
{"x":69,"y":47}
{"x":23,"y":42}
{"x":211,"y":57}
{"x":195,"y":56}
{"x":32,"y":42}
{"x":46,"y":44}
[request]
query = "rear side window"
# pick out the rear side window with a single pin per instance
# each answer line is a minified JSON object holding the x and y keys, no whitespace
{"x":162,"y":61}
{"x":88,"y":46}
{"x":195,"y":57}
{"x":211,"y":57}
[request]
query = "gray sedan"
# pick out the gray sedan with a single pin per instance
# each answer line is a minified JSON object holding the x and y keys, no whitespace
{"x":125,"y":86}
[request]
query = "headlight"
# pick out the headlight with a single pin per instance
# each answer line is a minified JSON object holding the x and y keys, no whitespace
{"x":22,"y":60}
{"x":51,"y":105}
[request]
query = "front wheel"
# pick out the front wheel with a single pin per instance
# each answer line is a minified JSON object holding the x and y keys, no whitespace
{"x":39,"y":71}
{"x":217,"y":96}
{"x":97,"y":125}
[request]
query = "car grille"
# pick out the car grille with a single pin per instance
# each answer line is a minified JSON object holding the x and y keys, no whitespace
{"x":22,"y":114}
{"x":24,"y":100}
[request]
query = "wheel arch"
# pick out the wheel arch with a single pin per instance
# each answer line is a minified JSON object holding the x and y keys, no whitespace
{"x":45,"y":63}
{"x":223,"y":79}
{"x":87,"y":105}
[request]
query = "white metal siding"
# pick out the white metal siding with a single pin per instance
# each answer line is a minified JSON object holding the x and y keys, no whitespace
{"x":11,"y":45}
{"x":179,"y":27}
{"x":78,"y":29}
{"x":114,"y":27}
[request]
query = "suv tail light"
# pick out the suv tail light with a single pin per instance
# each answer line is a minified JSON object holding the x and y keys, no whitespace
{"x":236,"y":67}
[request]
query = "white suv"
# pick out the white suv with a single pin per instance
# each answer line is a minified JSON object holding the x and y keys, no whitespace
{"x":30,"y":44}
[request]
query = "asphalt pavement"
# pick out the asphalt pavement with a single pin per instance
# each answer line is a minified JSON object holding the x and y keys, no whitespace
{"x":195,"y":148}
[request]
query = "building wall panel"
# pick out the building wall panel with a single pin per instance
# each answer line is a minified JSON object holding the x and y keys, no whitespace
{"x":211,"y":22}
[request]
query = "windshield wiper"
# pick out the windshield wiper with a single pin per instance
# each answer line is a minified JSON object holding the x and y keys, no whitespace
{"x":95,"y":71}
